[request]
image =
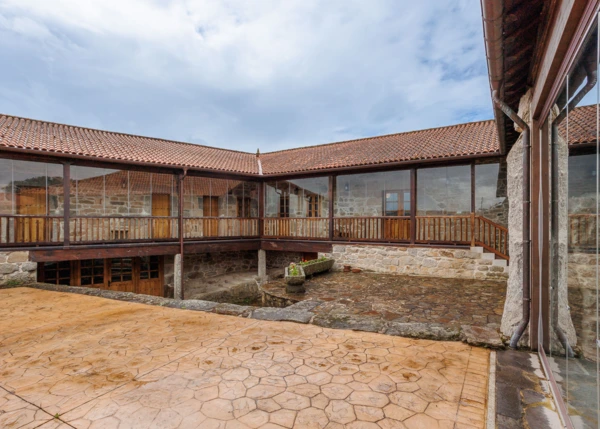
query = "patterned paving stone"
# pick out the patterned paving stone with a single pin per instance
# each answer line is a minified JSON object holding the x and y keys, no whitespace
{"x":125,"y":365}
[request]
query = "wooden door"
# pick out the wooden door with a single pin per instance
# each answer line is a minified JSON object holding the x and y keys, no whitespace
{"x":161,"y":206}
{"x":31,"y":229}
{"x":151,"y":275}
{"x":120,"y":274}
{"x":211,"y":210}
{"x":396,"y":203}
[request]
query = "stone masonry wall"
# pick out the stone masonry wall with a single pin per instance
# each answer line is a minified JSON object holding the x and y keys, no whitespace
{"x":205,"y":265}
{"x":582,"y":302}
{"x":415,"y":261}
{"x":15,"y":268}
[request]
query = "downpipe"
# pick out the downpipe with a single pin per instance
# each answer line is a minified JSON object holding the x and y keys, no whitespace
{"x":514,"y":341}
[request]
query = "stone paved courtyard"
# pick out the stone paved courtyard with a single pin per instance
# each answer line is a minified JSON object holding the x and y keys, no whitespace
{"x":69,"y":360}
{"x":403,"y":298}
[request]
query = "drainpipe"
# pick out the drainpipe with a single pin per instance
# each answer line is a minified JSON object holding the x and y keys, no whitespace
{"x":526,"y":218}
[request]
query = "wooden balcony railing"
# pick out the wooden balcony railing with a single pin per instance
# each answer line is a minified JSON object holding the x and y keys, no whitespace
{"x":444,"y":229}
{"x":22,"y":229}
{"x":462,"y":229}
{"x":491,"y":236}
{"x":297,"y":227}
{"x":213,"y":227}
{"x":86,"y":229}
{"x":582,"y":232}
{"x":380,"y":228}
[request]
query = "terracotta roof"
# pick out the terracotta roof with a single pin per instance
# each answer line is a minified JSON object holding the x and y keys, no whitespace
{"x":51,"y":138}
{"x":473,"y":138}
{"x":582,"y":125}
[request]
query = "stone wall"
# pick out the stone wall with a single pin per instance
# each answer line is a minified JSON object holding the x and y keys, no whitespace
{"x":15,"y":268}
{"x":206,"y":265}
{"x":582,"y":302}
{"x":415,"y":261}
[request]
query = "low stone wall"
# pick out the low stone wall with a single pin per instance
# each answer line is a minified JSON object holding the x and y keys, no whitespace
{"x":16,"y":269}
{"x":418,"y":261}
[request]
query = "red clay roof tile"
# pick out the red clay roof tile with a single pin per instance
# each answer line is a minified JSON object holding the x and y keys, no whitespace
{"x":475,"y":138}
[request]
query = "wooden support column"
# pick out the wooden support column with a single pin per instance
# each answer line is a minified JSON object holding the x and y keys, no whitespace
{"x":540,"y":238}
{"x":261,"y":209}
{"x":66,"y":203}
{"x":331,"y":205}
{"x":179,"y":286}
{"x":413,"y":205}
{"x":473,"y":205}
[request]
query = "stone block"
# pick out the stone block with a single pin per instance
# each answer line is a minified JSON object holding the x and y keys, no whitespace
{"x":29,"y":266}
{"x":18,"y":257}
{"x":343,"y":321}
{"x":427,"y":331}
{"x":282,"y":314}
{"x":233,"y":309}
{"x":481,"y":336}
{"x":8,"y":268}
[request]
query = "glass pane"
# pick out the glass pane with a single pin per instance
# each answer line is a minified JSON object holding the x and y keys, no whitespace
{"x":6,"y":187}
{"x":491,"y":199}
{"x":573,"y":342}
{"x":364,"y":194}
{"x":444,"y":190}
{"x":309,"y":197}
{"x":140,"y":194}
{"x":29,"y":186}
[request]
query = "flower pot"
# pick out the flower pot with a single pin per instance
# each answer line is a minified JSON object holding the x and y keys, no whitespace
{"x":295,"y":284}
{"x":356,"y":270}
{"x":311,"y":268}
{"x":347,"y":268}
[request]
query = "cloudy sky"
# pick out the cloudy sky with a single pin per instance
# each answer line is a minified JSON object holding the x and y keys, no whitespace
{"x":244,"y":74}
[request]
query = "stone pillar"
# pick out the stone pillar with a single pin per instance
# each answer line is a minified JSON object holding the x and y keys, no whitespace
{"x":178,"y":278}
{"x":262,"y":265}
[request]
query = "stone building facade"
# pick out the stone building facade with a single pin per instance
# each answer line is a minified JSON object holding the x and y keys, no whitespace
{"x":424,"y":261}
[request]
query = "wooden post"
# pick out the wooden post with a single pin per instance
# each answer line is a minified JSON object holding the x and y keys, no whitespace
{"x":180,"y":295}
{"x":261,"y":209}
{"x":472,"y":229}
{"x":413,"y":205}
{"x":331,"y":205}
{"x":66,"y":203}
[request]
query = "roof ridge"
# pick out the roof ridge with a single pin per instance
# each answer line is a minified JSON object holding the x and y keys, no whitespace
{"x":378,"y":137}
{"x":122,"y":134}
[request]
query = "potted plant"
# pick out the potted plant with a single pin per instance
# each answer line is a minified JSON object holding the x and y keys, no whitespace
{"x":316,"y":266}
{"x":294,"y":279}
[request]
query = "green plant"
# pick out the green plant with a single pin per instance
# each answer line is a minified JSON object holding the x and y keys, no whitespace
{"x":313,"y":261}
{"x":293,"y":270}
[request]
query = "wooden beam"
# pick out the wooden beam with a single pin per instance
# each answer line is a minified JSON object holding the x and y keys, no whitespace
{"x":297,"y":246}
{"x":107,"y":252}
{"x":564,"y":40}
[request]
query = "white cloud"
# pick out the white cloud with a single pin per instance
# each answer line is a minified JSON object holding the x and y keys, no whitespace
{"x":242,"y":74}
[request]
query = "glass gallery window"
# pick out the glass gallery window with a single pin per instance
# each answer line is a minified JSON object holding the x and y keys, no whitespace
{"x":31,"y":188}
{"x":297,"y":198}
{"x":373,"y":194}
{"x":444,"y":190}
{"x":491,"y":187}
{"x":107,"y":192}
{"x":206,"y":197}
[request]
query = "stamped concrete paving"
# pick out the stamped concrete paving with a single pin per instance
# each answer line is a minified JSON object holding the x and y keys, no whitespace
{"x":70,"y":360}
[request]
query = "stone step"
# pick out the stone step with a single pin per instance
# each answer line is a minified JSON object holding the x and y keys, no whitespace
{"x":500,"y":263}
{"x":489,"y":256}
{"x":477,"y":249}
